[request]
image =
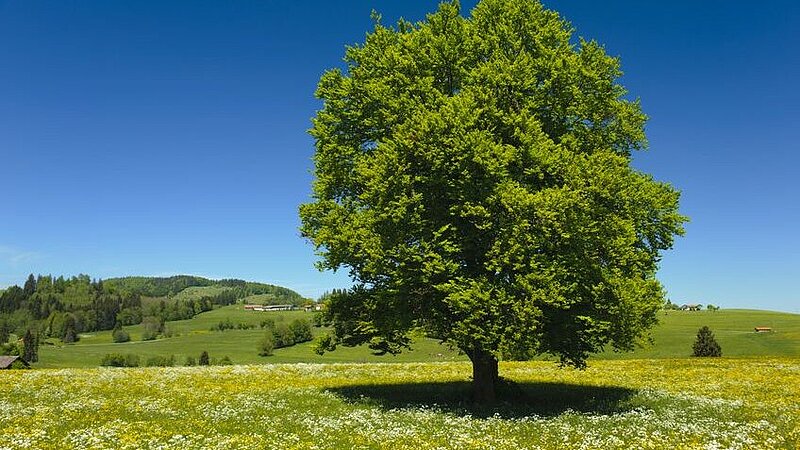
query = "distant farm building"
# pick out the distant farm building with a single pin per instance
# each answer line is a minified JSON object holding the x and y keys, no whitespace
{"x":269,"y":307}
{"x":691,"y":307}
{"x":7,"y":361}
{"x":763,"y":330}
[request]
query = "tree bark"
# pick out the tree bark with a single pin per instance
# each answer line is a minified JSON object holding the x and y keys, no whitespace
{"x":484,"y":377}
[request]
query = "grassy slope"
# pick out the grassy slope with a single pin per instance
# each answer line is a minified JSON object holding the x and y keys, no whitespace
{"x":194,"y":336}
{"x":673,"y":339}
{"x":198,"y":292}
{"x":733,"y":329}
{"x":190,"y":293}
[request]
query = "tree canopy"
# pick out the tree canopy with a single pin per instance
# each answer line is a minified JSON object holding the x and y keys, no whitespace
{"x":474,"y":176}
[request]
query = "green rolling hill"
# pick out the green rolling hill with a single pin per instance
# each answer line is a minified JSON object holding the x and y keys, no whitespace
{"x":672,"y":338}
{"x":733,"y":328}
{"x":189,"y":287}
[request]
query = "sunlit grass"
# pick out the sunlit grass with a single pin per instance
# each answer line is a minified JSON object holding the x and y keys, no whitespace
{"x":613,"y":404}
{"x":673,"y":338}
{"x":194,"y":336}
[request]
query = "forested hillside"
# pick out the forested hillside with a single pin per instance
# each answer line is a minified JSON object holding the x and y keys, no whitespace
{"x":170,"y":286}
{"x":62,"y":308}
{"x":156,"y":286}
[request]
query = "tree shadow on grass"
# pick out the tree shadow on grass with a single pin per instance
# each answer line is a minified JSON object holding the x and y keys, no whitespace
{"x":514,"y":399}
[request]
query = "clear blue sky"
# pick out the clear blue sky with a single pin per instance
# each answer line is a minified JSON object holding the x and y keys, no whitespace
{"x":158,"y":138}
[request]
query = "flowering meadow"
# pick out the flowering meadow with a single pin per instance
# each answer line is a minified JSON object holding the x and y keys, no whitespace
{"x":683,"y":404}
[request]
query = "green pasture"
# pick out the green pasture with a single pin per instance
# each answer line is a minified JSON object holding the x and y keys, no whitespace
{"x":198,"y":292}
{"x":733,"y":328}
{"x":193,"y":336}
{"x":672,"y":338}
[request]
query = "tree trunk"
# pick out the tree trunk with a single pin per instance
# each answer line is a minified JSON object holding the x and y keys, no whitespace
{"x":484,"y":377}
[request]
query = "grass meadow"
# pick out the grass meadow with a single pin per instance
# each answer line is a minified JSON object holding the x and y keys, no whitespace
{"x":656,"y":397}
{"x":193,"y":336}
{"x":672,"y":338}
{"x":652,"y":403}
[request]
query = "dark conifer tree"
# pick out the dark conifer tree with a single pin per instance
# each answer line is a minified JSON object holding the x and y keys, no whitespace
{"x":30,"y":286}
{"x":706,"y":344}
{"x":70,"y":331}
{"x":11,"y":299}
{"x":30,"y":352}
{"x":203,"y":358}
{"x":5,"y":331}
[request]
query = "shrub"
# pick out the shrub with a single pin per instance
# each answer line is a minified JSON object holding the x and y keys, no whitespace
{"x":160,"y":361}
{"x":301,"y":330}
{"x":225,"y":361}
{"x":266,"y":345}
{"x":70,"y":336}
{"x":131,"y":360}
{"x":11,"y":349}
{"x":223,"y":325}
{"x":113,"y":360}
{"x":130,"y":316}
{"x":153,"y":326}
{"x":120,"y":335}
{"x":190,"y":361}
{"x":323,"y":344}
{"x":203,"y":358}
{"x":119,"y":360}
{"x":706,"y":344}
{"x":283,"y":335}
{"x":149,"y":335}
{"x":18,"y":365}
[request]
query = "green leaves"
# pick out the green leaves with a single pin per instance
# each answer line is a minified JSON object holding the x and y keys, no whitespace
{"x":473,"y":175}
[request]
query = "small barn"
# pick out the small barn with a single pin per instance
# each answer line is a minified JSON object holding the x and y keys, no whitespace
{"x":7,"y":361}
{"x":278,"y":307}
{"x":690,"y":307}
{"x":269,"y":307}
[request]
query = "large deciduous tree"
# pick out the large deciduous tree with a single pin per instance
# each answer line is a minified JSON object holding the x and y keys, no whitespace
{"x":474,"y":176}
